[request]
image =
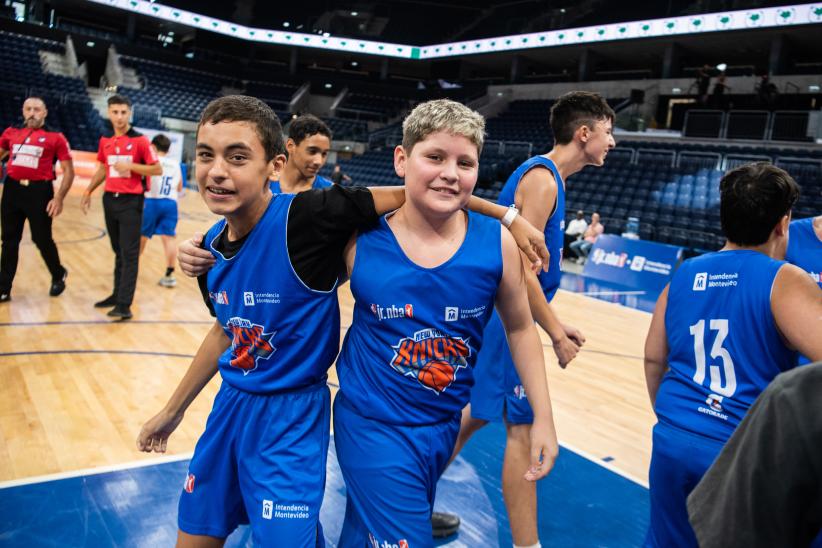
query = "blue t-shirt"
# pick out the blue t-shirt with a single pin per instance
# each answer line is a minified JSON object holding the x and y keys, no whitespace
{"x":319,"y":182}
{"x":723,"y":344}
{"x":554,"y":228}
{"x":284,"y":335}
{"x":805,"y":248}
{"x":408,"y":357}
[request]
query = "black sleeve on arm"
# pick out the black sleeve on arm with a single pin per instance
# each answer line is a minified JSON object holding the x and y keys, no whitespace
{"x":202,"y":282}
{"x":320,"y":223}
{"x":765,"y":488}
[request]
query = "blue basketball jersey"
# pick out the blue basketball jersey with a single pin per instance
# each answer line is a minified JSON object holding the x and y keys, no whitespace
{"x":284,"y":335}
{"x":319,"y":182}
{"x":805,"y":248}
{"x":408,"y":357}
{"x":723,"y":344}
{"x":554,"y":228}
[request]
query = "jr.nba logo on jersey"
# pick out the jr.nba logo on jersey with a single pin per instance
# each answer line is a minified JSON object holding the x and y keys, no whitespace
{"x":432,"y":358}
{"x":249,"y":344}
{"x":700,"y":281}
{"x":221,"y":297}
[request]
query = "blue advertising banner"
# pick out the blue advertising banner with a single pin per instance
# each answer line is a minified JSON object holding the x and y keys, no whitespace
{"x":632,"y":263}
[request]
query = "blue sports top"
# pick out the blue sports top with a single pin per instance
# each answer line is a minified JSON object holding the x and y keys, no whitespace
{"x":284,"y":335}
{"x":723,"y":344}
{"x":408,"y":357}
{"x":554,"y":228}
{"x":319,"y":182}
{"x":805,"y":248}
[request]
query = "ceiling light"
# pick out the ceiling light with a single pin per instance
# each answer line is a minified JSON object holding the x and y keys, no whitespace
{"x":354,"y":13}
{"x":90,"y":44}
{"x":721,"y":67}
{"x":286,"y":24}
{"x":328,"y":86}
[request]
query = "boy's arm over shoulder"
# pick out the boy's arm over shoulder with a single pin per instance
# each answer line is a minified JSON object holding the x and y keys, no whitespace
{"x":526,"y":350}
{"x":536,"y":196}
{"x":320,"y":224}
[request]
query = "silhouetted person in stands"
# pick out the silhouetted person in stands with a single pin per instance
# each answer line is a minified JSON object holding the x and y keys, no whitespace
{"x":703,"y":82}
{"x":721,"y":88}
{"x":767,"y":91}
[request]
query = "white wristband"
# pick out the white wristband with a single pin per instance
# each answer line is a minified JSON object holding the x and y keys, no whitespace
{"x":509,"y":217}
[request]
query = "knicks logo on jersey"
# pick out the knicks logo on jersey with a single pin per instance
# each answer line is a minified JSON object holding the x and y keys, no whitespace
{"x":249,"y":344}
{"x":432,"y":358}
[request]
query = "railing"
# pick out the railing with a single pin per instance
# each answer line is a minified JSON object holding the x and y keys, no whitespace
{"x":757,"y":125}
{"x":505,"y":148}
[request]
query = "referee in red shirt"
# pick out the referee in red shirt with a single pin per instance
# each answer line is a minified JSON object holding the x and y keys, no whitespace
{"x":28,"y":193}
{"x":123,"y":159}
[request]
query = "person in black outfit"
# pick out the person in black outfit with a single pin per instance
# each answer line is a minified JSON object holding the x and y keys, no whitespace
{"x":124,"y":159}
{"x":28,"y":193}
{"x":720,"y":89}
{"x":703,"y":82}
{"x":765,"y":487}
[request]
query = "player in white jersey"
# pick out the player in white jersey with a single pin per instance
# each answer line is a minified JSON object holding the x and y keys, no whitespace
{"x":160,"y":210}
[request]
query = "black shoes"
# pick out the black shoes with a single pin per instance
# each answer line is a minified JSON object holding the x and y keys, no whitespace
{"x":444,"y":525}
{"x":120,"y":311}
{"x":58,"y":285}
{"x":108,"y":302}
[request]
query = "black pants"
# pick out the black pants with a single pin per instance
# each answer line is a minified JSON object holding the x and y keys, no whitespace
{"x":124,"y":216}
{"x":18,"y":204}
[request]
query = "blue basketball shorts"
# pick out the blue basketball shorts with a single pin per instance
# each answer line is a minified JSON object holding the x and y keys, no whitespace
{"x":261,"y":460}
{"x":679,"y":459}
{"x":159,"y":217}
{"x":497,"y":393}
{"x":390,"y":474}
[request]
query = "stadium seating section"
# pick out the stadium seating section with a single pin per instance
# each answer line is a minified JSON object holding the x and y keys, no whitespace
{"x":672,"y":187}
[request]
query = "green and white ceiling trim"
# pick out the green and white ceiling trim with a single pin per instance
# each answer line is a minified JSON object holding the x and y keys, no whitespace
{"x":800,"y":14}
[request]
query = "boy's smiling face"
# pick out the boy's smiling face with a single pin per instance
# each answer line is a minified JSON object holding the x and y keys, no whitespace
{"x":310,"y":155}
{"x":440,"y":172}
{"x":600,"y":140}
{"x":231,"y":167}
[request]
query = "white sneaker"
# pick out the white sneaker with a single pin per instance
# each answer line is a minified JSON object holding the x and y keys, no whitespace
{"x":168,"y":281}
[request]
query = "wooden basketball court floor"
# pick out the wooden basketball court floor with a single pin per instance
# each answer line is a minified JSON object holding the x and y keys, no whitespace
{"x":76,"y":388}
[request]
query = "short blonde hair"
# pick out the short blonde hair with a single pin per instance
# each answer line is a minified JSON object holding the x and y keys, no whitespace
{"x":442,"y":115}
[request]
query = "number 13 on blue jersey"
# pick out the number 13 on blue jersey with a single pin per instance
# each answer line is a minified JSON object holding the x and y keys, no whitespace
{"x":717,"y":351}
